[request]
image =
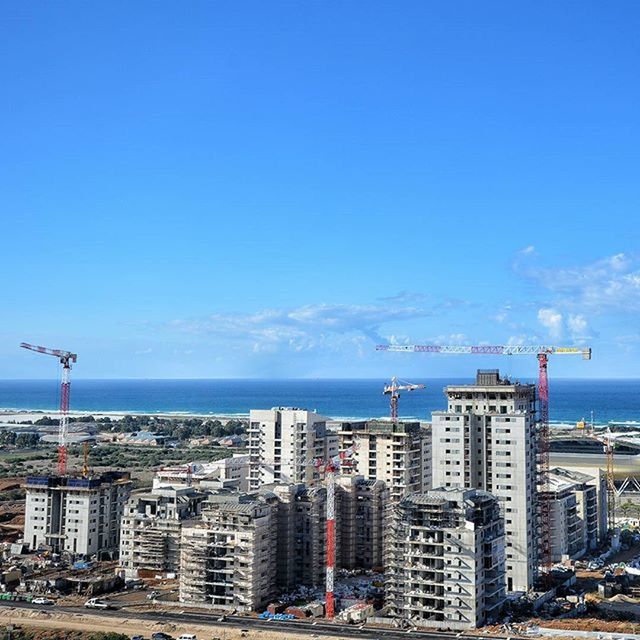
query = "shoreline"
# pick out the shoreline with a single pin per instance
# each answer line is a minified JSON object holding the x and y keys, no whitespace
{"x":22,"y":415}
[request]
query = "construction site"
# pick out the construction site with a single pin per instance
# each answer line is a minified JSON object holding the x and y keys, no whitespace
{"x":452,"y":523}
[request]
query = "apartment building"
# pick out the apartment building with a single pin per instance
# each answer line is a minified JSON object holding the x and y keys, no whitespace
{"x":487,"y":439}
{"x":229,"y":472}
{"x":80,"y":516}
{"x":573,"y":512}
{"x":228,"y":558}
{"x":398,"y":453}
{"x":361,"y":518}
{"x":151,"y":528}
{"x":284,"y":442}
{"x":301,"y":534}
{"x":445,"y":559}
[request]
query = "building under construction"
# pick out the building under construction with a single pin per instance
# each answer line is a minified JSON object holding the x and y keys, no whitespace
{"x":151,"y":528}
{"x":80,"y":516}
{"x":445,"y":559}
{"x":228,"y":559}
{"x":361,"y":514}
{"x":488,"y":439}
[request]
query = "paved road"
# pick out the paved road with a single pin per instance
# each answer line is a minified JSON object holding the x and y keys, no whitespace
{"x":331,"y":629}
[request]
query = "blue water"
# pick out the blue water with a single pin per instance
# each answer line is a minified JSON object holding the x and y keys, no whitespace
{"x":570,"y":400}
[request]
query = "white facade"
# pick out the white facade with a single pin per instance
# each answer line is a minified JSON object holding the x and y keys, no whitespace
{"x":487,"y":440}
{"x":80,"y":516}
{"x":283,"y":445}
{"x":233,"y":470}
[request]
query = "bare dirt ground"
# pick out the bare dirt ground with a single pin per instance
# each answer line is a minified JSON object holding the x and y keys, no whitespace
{"x":92,"y":622}
{"x":590,"y":624}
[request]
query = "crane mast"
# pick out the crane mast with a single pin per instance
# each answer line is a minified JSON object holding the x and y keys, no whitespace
{"x":66,"y":358}
{"x":542,"y":352}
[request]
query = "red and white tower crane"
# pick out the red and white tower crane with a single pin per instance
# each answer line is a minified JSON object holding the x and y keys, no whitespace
{"x":394,"y":390}
{"x":66,"y":359}
{"x":542,"y":352}
{"x":331,"y":469}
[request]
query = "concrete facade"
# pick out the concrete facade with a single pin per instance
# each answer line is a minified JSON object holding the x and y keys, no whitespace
{"x":361,"y":518}
{"x":397,"y":453}
{"x":228,"y":559}
{"x":487,"y":439}
{"x":151,"y":529}
{"x":80,"y":516}
{"x":446,"y":559}
{"x":283,"y":444}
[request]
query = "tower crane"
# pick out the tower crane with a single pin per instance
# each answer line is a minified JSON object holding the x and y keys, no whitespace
{"x":542,"y":352}
{"x":394,"y":390}
{"x":331,"y":469}
{"x":66,"y":358}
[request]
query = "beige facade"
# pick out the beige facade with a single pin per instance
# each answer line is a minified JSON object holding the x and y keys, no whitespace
{"x":398,"y":453}
{"x":283,"y":445}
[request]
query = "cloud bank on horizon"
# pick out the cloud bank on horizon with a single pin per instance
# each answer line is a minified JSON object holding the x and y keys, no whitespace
{"x":566,"y":306}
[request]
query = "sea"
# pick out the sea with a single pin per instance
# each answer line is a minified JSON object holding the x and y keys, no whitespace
{"x":569,"y":400}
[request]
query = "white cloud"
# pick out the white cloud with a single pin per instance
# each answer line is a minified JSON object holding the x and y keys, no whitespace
{"x":528,"y":250}
{"x":330,"y":327}
{"x":551,"y":320}
{"x":608,"y":284}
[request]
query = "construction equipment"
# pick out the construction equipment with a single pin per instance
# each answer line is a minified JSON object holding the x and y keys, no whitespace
{"x":66,"y":358}
{"x":331,"y":469}
{"x":85,"y":459}
{"x":394,"y":390}
{"x":608,"y":445}
{"x":542,"y":352}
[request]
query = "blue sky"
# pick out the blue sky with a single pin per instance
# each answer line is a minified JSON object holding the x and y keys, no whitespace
{"x":256,"y":189}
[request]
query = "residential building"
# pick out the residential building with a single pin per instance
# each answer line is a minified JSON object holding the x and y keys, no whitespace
{"x":573,"y":512}
{"x":228,"y":558}
{"x":231,"y":471}
{"x":301,"y":535}
{"x":151,"y":529}
{"x":284,"y":444}
{"x":361,"y":519}
{"x":80,"y":516}
{"x":446,"y":559}
{"x":487,"y":439}
{"x":398,"y":453}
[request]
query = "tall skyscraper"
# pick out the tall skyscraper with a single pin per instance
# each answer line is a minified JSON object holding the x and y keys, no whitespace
{"x":486,"y":439}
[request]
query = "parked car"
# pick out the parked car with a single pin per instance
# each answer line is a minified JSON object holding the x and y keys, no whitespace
{"x":95,"y":603}
{"x":187,"y":636}
{"x":41,"y":601}
{"x":159,"y":635}
{"x":137,"y":637}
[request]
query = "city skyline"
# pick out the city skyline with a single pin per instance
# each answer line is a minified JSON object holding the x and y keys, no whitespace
{"x":271,"y":191}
